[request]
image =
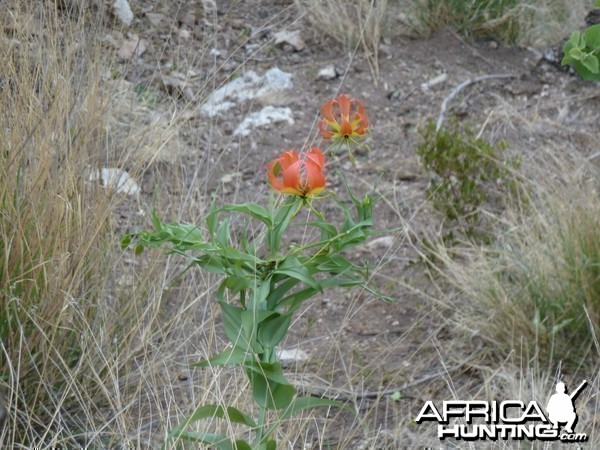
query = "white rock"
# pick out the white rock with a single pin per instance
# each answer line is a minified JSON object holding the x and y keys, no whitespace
{"x":292,"y":38}
{"x":251,"y":86}
{"x":436,"y":80}
{"x":381,"y":242}
{"x":290,"y":356}
{"x":117,"y":180}
{"x":327,"y":73}
{"x":122,"y":11}
{"x":266,"y":116}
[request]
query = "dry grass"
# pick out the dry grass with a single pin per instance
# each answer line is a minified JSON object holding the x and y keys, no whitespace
{"x":539,"y":23}
{"x":76,"y":324}
{"x":527,"y":304}
{"x":353,"y":24}
{"x":96,"y":344}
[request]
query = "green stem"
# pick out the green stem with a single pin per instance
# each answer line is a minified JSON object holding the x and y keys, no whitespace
{"x":260,"y":431}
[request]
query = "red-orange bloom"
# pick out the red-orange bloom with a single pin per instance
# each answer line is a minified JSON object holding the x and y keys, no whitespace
{"x":301,"y":176}
{"x":344,"y":118}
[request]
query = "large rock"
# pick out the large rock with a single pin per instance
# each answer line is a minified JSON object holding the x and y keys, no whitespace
{"x":267,"y":89}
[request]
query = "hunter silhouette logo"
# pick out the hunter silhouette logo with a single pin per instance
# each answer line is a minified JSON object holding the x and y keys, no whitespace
{"x":560,"y":407}
{"x":510,"y":419}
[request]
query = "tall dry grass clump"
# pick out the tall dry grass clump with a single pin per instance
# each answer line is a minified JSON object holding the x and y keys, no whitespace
{"x":535,"y":291}
{"x":355,"y":24}
{"x":65,"y":339}
{"x":524,"y":22}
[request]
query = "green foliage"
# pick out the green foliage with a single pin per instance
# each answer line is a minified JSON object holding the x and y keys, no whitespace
{"x":467,"y":171}
{"x":582,"y":50}
{"x":269,"y":289}
{"x":479,"y":17}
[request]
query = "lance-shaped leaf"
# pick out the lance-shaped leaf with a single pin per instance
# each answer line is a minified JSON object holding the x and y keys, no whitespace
{"x":270,"y":388}
{"x":251,"y":209}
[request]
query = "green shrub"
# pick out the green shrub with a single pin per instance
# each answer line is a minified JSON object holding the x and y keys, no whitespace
{"x":467,"y":171}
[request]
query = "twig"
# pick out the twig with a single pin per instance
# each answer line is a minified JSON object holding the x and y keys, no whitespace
{"x":346,"y":395}
{"x":460,"y":87}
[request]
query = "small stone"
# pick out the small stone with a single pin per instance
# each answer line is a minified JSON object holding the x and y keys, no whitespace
{"x":186,"y":18}
{"x":122,"y":11}
{"x":156,"y":18}
{"x":176,"y":84}
{"x":117,"y":180}
{"x":288,"y":357}
{"x":185,"y":35}
{"x":327,"y":73}
{"x":238,"y":24}
{"x":132,"y":47}
{"x":183,"y":376}
{"x":291,"y":38}
{"x":493,"y":44}
{"x":229,"y":177}
{"x":264,"y":117}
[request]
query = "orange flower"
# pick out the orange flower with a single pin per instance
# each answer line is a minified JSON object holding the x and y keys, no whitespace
{"x":291,"y":174}
{"x":345,"y":119}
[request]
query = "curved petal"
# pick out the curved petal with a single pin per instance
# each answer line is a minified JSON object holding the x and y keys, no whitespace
{"x":273,"y":170}
{"x":292,"y":178}
{"x":316,"y":156}
{"x":327,"y":134}
{"x":327,"y":111}
{"x":315,"y":180}
{"x":344,"y":102}
{"x":346,"y":129}
{"x":288,"y":158}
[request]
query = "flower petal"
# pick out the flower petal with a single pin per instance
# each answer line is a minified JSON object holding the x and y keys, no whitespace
{"x":315,"y":180}
{"x":316,"y":156}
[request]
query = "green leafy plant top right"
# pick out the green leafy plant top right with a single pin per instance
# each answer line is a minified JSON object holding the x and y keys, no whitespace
{"x":582,"y":50}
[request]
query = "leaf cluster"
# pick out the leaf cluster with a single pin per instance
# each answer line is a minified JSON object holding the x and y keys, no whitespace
{"x":582,"y":50}
{"x":270,"y":289}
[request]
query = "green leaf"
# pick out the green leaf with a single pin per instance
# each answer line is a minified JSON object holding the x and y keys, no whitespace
{"x":591,"y":63}
{"x":584,"y":72}
{"x":220,"y":441}
{"x":242,"y":445}
{"x":292,"y":267}
{"x":230,"y":357}
{"x":277,"y":294}
{"x":232,"y":324}
{"x":302,"y":403}
{"x":280,"y":223}
{"x":222,"y":237}
{"x":211,"y":218}
{"x":576,"y":54}
{"x":125,"y":241}
{"x":270,"y":388}
{"x":592,"y":37}
{"x":251,"y":209}
{"x":228,"y":413}
{"x":156,"y":223}
{"x":566,"y":50}
{"x":210,"y":264}
{"x":272,"y":330}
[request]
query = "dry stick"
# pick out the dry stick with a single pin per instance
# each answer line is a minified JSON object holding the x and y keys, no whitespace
{"x":460,"y":87}
{"x":345,"y":395}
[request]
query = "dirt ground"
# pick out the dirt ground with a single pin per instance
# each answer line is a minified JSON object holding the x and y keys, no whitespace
{"x":357,"y":345}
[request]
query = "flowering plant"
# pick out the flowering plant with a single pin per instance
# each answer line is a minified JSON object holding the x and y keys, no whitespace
{"x":270,"y":287}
